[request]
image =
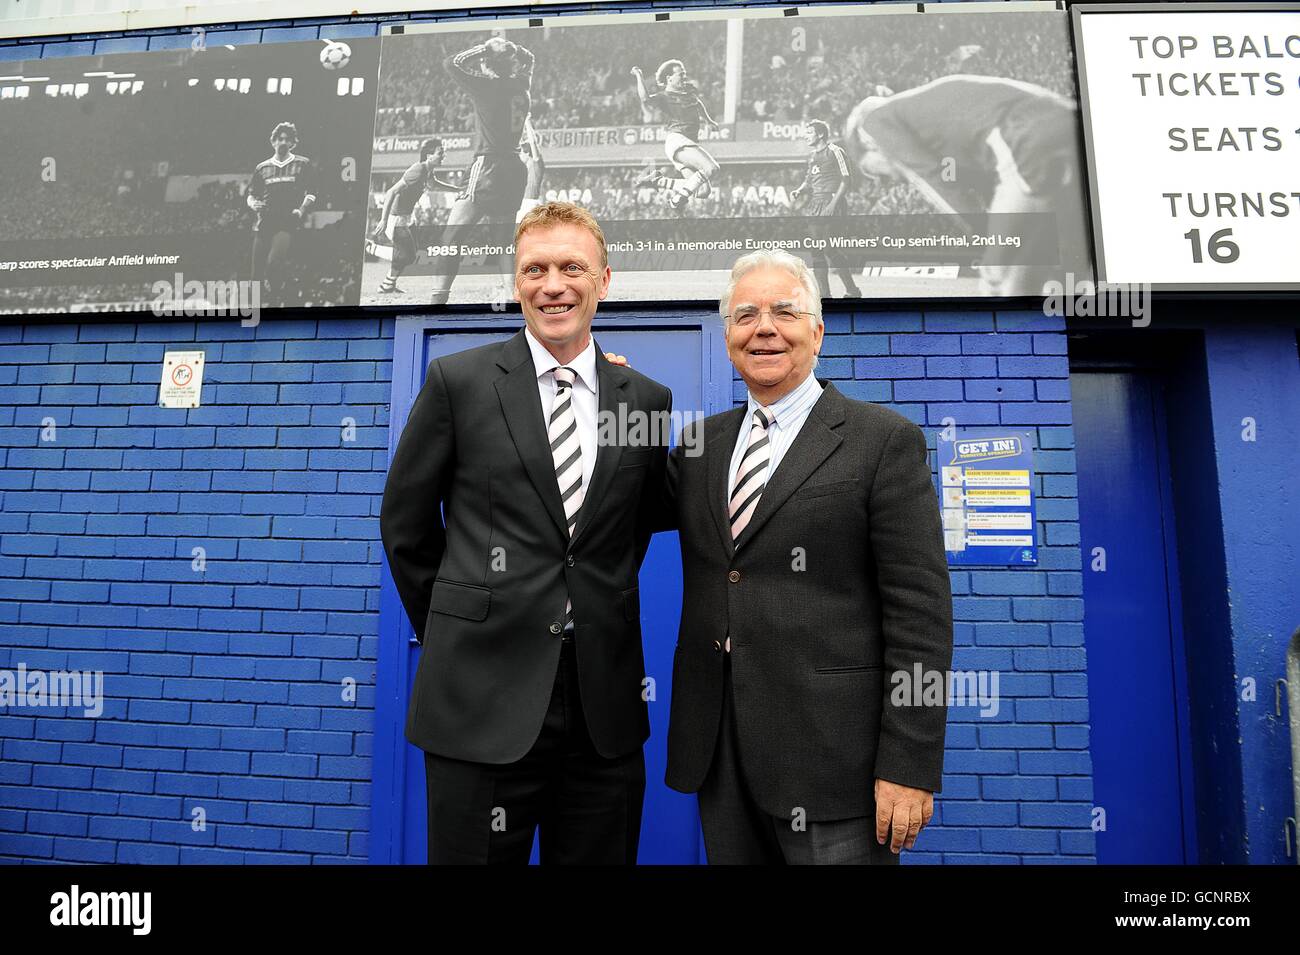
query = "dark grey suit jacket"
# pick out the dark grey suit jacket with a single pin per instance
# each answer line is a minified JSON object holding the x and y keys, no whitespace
{"x":477,"y":543}
{"x":839,"y":581}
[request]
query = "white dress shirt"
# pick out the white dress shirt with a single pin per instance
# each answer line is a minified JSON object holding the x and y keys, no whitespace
{"x":790,"y":412}
{"x":584,"y":396}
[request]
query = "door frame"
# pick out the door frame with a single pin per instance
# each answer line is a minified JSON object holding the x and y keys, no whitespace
{"x":388,"y":763}
{"x":1151,"y":368}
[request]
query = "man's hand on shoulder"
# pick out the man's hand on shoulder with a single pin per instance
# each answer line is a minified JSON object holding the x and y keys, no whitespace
{"x":615,"y":359}
{"x":901,"y":813}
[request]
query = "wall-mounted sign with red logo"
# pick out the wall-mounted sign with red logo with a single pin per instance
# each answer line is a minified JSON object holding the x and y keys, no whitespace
{"x":182,"y":379}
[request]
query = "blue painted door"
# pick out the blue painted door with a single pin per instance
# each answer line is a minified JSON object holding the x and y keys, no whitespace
{"x":1137,"y":687}
{"x":688,"y":359}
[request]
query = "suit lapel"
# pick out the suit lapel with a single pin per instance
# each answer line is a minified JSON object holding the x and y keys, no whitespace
{"x":611,"y":392}
{"x":816,"y":441}
{"x":522,"y":407}
{"x":721,"y":446}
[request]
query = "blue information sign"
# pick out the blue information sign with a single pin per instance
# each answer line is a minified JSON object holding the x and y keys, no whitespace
{"x":986,"y":478}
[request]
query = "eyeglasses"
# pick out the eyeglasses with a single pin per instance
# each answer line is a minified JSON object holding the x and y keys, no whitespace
{"x":782,"y":315}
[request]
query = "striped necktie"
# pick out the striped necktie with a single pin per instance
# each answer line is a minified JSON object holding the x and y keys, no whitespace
{"x":566,"y":454}
{"x":751,"y":476}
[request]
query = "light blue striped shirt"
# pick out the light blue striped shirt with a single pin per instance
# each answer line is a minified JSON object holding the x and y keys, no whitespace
{"x":791,"y":412}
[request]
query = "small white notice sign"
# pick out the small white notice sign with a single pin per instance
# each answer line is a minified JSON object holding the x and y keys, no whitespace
{"x":182,"y":379}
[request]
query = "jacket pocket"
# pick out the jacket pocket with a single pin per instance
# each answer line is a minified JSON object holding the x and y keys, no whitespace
{"x":637,"y":458}
{"x":460,"y":600}
{"x":864,"y":668}
{"x":809,"y":491}
{"x":632,"y":605}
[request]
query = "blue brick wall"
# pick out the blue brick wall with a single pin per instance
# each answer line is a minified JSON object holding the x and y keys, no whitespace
{"x":223,"y":685}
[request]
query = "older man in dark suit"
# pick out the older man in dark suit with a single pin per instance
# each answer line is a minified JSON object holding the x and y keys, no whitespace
{"x":815,"y":585}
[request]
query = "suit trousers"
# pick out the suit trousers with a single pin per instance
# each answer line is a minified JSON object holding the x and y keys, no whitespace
{"x":587,"y":807}
{"x":738,"y":832}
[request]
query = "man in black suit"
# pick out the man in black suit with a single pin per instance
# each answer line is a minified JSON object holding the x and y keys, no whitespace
{"x":815,"y":585}
{"x":514,"y":529}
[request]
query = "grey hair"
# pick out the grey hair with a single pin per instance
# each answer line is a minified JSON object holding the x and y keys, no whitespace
{"x":773,"y":258}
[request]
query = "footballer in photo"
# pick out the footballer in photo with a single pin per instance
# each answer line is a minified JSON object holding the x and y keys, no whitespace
{"x":214,"y":164}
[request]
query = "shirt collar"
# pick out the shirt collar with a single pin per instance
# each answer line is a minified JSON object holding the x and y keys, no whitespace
{"x":584,"y":365}
{"x":781,"y":408}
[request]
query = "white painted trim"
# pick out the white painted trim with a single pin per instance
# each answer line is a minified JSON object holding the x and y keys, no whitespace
{"x":884,"y":8}
{"x":152,"y":14}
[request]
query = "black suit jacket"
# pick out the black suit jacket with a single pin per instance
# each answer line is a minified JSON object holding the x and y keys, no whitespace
{"x":474,"y":530}
{"x":839,"y":581}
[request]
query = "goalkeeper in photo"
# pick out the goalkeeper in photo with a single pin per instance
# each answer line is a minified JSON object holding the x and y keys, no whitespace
{"x":399,"y":212}
{"x":282,"y":191}
{"x":826,"y":181}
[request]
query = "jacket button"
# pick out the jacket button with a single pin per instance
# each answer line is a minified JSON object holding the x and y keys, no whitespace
{"x":570,"y":560}
{"x":734,"y":576}
{"x":556,"y":628}
{"x":717,"y":646}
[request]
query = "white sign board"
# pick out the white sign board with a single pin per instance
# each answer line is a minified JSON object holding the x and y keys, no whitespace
{"x":182,"y":379}
{"x":1191,"y":115}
